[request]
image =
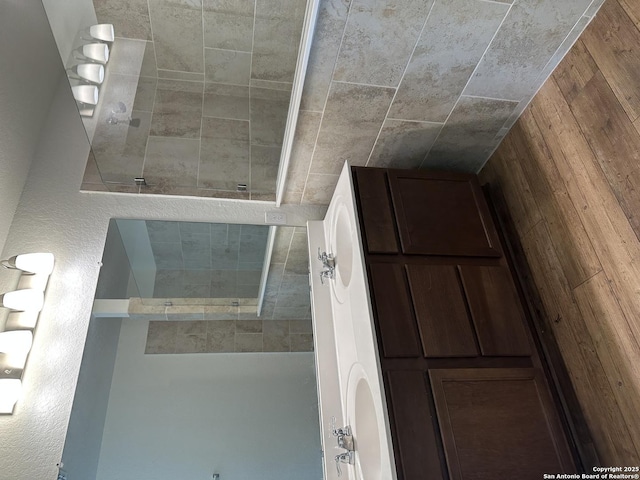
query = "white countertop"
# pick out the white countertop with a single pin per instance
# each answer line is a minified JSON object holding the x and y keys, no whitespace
{"x":345,"y":344}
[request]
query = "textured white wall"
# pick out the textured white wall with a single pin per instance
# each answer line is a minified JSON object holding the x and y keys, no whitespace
{"x":52,"y":215}
{"x":249,"y":415}
{"x":27,"y":57}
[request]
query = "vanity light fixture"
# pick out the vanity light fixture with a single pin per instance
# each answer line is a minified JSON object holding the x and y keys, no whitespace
{"x":15,"y":344}
{"x":102,"y":31}
{"x":96,"y":51}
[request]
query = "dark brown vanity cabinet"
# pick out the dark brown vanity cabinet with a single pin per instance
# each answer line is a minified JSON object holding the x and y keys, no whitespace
{"x":466,"y":394}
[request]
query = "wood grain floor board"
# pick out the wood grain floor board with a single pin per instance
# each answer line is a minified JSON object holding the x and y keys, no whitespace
{"x":632,"y":7}
{"x":577,"y":256}
{"x":612,"y":39}
{"x":606,"y":225}
{"x":575,"y":71}
{"x":523,"y":204}
{"x":592,"y":387}
{"x":617,"y":348}
{"x":615,"y":142}
{"x":578,"y":149}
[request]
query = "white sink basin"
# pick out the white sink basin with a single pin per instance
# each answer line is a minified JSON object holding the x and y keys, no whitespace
{"x":364,"y":421}
{"x":341,"y":245}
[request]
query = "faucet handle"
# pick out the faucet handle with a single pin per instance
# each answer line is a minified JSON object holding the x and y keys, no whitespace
{"x":337,"y":432}
{"x":341,"y":432}
{"x":347,"y":458}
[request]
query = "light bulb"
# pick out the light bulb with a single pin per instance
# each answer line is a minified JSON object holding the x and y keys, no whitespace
{"x":96,"y":51}
{"x":86,"y":94}
{"x":102,"y":31}
{"x":10,"y":390}
{"x":34,"y":262}
{"x":28,"y":299}
{"x":16,"y":342}
{"x":93,"y":72}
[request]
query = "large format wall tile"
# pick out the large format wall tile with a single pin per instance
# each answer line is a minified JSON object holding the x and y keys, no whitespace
{"x":130,"y":16}
{"x":177,"y":111}
{"x":171,"y":161}
{"x":226,"y":101}
{"x":529,"y":36}
{"x":469,"y":136}
{"x":276,"y":39}
{"x":160,"y":231}
{"x":228,"y":24}
{"x":177,"y":34}
{"x":264,"y":170}
{"x":145,"y":94}
{"x":126,"y":56}
{"x":456,"y":35}
{"x":268,"y":114}
{"x":298,"y":258}
{"x":332,"y":16}
{"x":301,"y":153}
{"x":319,"y":188}
{"x":403,"y":144}
{"x":224,"y":156}
{"x":378,"y":40}
{"x":227,"y":66}
{"x":350,"y":125}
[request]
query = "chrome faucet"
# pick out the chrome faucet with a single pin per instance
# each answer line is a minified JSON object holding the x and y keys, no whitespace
{"x":329,"y":263}
{"x":345,"y":440}
{"x":346,"y":457}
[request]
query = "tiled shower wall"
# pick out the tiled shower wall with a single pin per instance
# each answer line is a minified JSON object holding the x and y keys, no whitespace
{"x":412,"y":84}
{"x":202,"y":260}
{"x":206,"y":85}
{"x":284,"y":324}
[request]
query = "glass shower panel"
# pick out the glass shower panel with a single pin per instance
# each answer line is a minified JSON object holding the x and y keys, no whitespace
{"x":200,"y":263}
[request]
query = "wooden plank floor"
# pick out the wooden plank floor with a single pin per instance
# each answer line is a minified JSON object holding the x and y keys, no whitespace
{"x":570,"y":174}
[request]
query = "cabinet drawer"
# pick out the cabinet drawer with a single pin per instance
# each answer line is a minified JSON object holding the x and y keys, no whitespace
{"x":394,"y":313}
{"x":444,"y":324}
{"x":415,"y":439}
{"x":495,"y":309}
{"x":378,"y":221}
{"x":442,"y":214}
{"x":498,"y":423}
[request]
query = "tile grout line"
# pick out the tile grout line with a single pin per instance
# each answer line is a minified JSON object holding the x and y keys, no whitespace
{"x":506,"y":15}
{"x":492,"y":98}
{"x":326,"y":99}
{"x":231,"y":49}
{"x":395,"y":93}
{"x":155,"y":93}
{"x":253,"y":39}
{"x":204,"y":82}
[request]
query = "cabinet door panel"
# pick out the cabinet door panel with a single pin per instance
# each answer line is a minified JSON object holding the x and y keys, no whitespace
{"x":442,"y":214}
{"x":415,"y":436}
{"x":498,"y":423}
{"x":393,"y":311}
{"x":495,"y":310}
{"x":377,"y":212}
{"x":441,"y":312}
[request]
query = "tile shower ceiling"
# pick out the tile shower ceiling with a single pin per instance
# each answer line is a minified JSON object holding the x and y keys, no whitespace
{"x":207,"y":83}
